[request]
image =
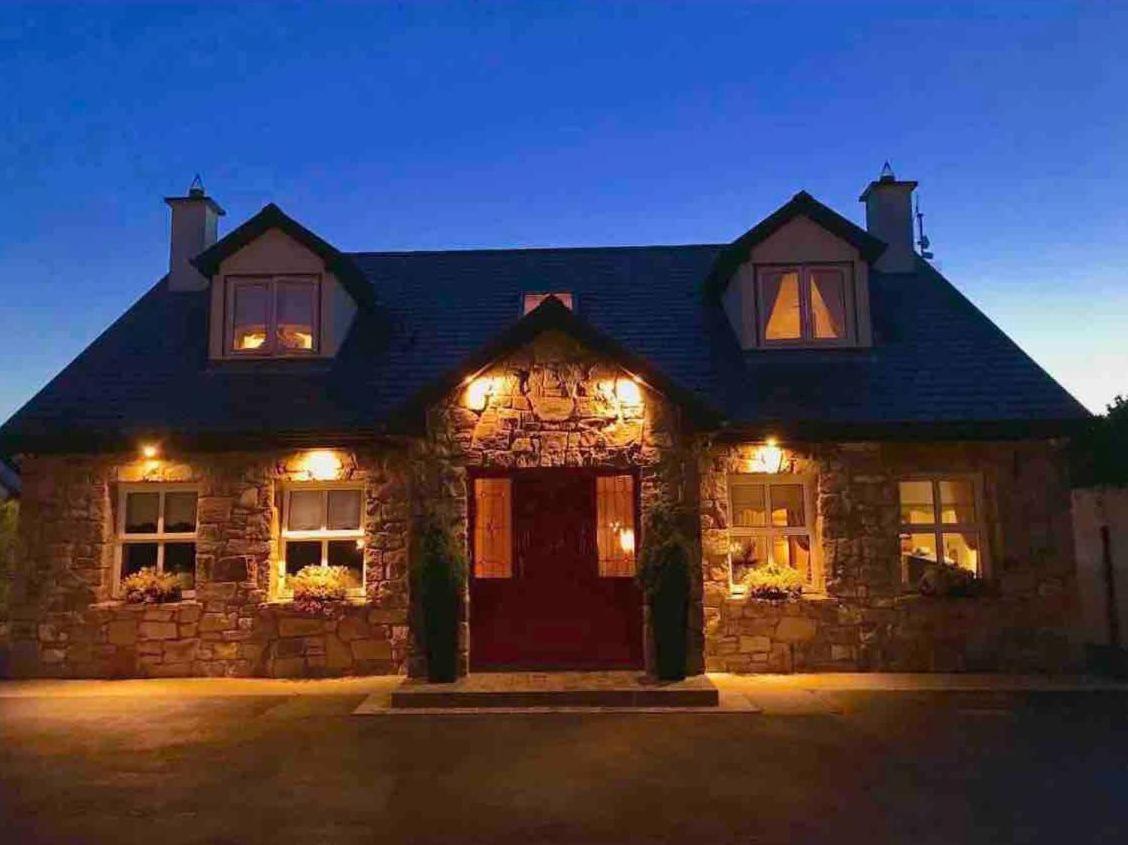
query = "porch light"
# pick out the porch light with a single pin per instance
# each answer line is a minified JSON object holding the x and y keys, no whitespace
{"x":322,"y":465}
{"x":150,"y":451}
{"x":767,"y":458}
{"x":478,"y":393}
{"x":628,"y":392}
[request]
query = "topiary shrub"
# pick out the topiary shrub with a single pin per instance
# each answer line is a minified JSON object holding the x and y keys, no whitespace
{"x":772,"y":582}
{"x":438,"y":572}
{"x":319,"y":590}
{"x":664,"y":576}
{"x":148,"y":586}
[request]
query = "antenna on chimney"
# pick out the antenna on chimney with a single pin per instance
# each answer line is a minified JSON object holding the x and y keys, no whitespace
{"x":196,"y":189}
{"x":887,"y":173}
{"x":922,"y":240}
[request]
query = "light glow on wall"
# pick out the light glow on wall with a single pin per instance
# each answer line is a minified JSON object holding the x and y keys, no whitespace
{"x":478,"y":393}
{"x":321,"y":465}
{"x":627,"y":391}
{"x":767,"y":458}
{"x":150,"y":450}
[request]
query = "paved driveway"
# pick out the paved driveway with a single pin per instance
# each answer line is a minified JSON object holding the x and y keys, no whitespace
{"x":274,"y":762}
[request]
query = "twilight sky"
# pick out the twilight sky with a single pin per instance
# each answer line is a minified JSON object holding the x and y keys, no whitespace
{"x":436,"y":126}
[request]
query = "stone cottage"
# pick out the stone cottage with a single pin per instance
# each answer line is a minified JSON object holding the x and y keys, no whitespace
{"x":833,"y":411}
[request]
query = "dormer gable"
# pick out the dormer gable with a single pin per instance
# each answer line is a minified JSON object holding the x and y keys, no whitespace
{"x":798,"y":279}
{"x":279,"y":291}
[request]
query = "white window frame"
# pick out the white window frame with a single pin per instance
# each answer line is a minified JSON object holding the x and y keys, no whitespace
{"x":809,"y":528}
{"x":806,"y":321}
{"x":121,"y":539}
{"x":939,"y":529}
{"x":322,"y":535}
{"x":270,"y":348}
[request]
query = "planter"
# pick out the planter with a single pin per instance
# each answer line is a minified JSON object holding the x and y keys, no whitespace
{"x":669,"y":621}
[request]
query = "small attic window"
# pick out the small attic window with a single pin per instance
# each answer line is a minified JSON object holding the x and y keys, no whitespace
{"x":533,"y":300}
{"x":806,"y":305}
{"x":272,"y":315}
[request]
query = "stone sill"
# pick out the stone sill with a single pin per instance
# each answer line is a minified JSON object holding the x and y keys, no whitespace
{"x":120,"y":604}
{"x":286,"y":602}
{"x":813,"y":597}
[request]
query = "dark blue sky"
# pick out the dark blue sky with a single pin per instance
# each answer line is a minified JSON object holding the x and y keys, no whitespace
{"x":419,"y":126}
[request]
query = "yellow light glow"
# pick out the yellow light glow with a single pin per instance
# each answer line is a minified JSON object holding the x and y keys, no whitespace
{"x":627,"y":540}
{"x":767,"y":458}
{"x":150,"y":450}
{"x":360,"y":544}
{"x":251,"y":340}
{"x":628,"y":392}
{"x":478,"y":393}
{"x":322,"y":465}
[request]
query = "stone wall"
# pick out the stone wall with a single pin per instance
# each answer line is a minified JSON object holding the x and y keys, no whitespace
{"x":865,"y":618}
{"x":552,"y":404}
{"x":66,"y":622}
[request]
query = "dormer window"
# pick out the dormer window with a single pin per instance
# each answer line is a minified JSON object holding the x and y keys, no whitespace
{"x":533,"y":300}
{"x":272,"y":315}
{"x":805,"y":305}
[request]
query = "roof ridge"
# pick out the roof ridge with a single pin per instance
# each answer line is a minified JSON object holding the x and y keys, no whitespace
{"x":510,"y":250}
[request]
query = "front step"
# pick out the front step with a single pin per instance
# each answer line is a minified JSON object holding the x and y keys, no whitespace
{"x":518,"y":690}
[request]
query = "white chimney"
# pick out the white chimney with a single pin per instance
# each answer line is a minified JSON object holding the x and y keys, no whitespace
{"x":889,"y":216}
{"x":195,"y":219}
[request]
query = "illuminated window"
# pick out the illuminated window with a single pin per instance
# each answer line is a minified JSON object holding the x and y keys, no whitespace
{"x":322,"y":526}
{"x":533,"y":300}
{"x":615,"y":525}
{"x":272,"y":315}
{"x":157,"y":529}
{"x":771,"y":521}
{"x":804,"y":305}
{"x":939,"y":521}
{"x":493,"y":534}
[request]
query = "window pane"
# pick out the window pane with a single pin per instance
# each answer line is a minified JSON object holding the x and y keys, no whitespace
{"x":295,"y":314}
{"x":747,"y":554}
{"x":344,"y":510}
{"x":748,"y":506}
{"x":141,"y":510}
{"x":781,"y":304}
{"x":918,"y":551}
{"x":787,"y":505}
{"x":615,"y":528}
{"x":305,"y":510}
{"x":251,"y":315}
{"x":180,"y":512}
{"x":916,"y":503}
{"x":957,"y":502}
{"x":828,"y":303}
{"x":349,"y":554}
{"x":493,"y":542}
{"x":962,"y":550}
{"x":134,"y":556}
{"x":799,"y":555}
{"x":302,"y":554}
{"x":180,"y":558}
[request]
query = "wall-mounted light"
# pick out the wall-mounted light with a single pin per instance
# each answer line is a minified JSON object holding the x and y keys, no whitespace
{"x":627,"y":391}
{"x":150,"y":451}
{"x":322,"y":465}
{"x":478,"y":393}
{"x":766,"y":458}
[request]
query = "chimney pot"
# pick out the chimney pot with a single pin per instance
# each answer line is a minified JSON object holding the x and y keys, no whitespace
{"x":889,"y":216}
{"x":195,"y":221}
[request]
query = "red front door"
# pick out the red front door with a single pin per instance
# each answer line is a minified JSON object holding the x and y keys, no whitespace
{"x":554,"y":610}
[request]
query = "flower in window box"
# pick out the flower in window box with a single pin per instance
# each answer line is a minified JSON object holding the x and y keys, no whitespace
{"x":148,"y":586}
{"x":772,"y":582}
{"x":319,"y":589}
{"x":949,"y":580}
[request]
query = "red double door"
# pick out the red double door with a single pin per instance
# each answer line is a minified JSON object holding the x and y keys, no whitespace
{"x":551,"y":608}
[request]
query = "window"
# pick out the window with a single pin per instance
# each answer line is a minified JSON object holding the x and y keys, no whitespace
{"x":272,"y":315}
{"x":804,"y":305}
{"x":157,"y":529}
{"x":771,"y":521}
{"x":533,"y":300}
{"x":493,"y":528}
{"x":322,"y":527}
{"x":615,"y":525}
{"x":939,"y":520}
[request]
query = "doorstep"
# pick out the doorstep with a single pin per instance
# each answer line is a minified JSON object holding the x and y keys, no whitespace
{"x":556,"y":690}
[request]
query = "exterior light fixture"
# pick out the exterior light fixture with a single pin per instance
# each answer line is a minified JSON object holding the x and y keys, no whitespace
{"x":150,"y":451}
{"x":627,"y":392}
{"x":478,"y":393}
{"x":322,"y":465}
{"x":767,"y":458}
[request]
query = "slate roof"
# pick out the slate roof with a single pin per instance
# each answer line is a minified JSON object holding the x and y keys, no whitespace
{"x":938,"y":366}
